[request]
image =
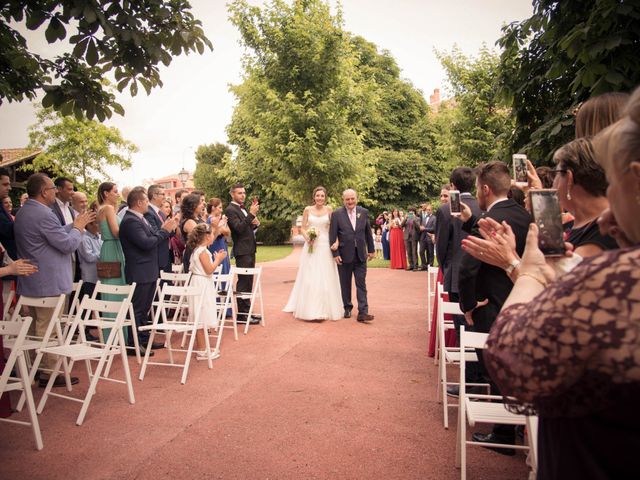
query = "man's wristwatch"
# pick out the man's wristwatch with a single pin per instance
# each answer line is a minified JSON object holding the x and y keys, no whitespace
{"x":512,"y":266}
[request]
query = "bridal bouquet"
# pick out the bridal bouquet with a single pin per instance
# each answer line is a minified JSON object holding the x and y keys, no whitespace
{"x":312,"y":236}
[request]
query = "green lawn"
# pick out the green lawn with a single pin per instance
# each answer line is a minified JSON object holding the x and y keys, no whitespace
{"x":268,"y":253}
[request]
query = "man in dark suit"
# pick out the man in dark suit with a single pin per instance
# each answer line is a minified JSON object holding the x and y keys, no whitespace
{"x":483,"y":287}
{"x":427,"y":233}
{"x":140,"y":246}
{"x":156,"y":218}
{"x":243,"y":224}
{"x":62,"y":206}
{"x":411,"y":234}
{"x":449,"y":233}
{"x":350,"y":226}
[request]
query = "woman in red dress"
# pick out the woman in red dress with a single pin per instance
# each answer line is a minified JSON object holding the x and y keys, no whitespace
{"x":396,"y":242}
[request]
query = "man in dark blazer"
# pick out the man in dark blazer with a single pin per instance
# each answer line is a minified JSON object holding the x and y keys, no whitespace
{"x":350,"y":226}
{"x":427,"y":232}
{"x":156,"y":218}
{"x":140,"y":246}
{"x":449,"y":233}
{"x":411,"y":234}
{"x":243,"y":224}
{"x":483,"y":287}
{"x":62,"y":206}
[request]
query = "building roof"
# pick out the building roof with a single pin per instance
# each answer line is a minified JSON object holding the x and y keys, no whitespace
{"x":11,"y":156}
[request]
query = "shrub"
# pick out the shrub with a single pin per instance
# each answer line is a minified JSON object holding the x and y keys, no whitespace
{"x":274,"y":232}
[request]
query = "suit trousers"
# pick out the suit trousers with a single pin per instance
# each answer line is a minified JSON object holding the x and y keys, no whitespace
{"x":41,"y":318}
{"x":426,"y":251}
{"x":245,"y":282}
{"x":358,"y":270}
{"x":142,"y":300}
{"x":411,"y":244}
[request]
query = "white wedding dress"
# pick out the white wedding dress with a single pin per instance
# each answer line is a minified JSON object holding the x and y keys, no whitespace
{"x":316,"y":293}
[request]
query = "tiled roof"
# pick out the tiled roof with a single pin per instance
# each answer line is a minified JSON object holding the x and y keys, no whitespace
{"x":11,"y":156}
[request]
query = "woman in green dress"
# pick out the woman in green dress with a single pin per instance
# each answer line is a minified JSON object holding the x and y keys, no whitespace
{"x":108,"y":200}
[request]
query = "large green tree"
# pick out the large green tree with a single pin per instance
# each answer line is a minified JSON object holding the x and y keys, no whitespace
{"x":296,"y":124}
{"x":129,"y":38}
{"x":563,"y":54}
{"x":474,"y":126}
{"x":212,"y":168}
{"x":79,"y":149}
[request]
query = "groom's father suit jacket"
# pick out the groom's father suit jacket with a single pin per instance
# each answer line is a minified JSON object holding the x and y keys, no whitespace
{"x":349,"y":238}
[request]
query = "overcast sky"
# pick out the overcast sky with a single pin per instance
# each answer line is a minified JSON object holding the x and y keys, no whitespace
{"x":195,"y":106}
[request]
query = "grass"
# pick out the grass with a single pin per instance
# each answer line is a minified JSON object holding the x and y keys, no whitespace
{"x":269,"y":253}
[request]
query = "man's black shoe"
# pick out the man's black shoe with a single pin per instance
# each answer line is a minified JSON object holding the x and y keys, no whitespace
{"x":365,"y":317}
{"x":491,"y":438}
{"x":254,"y":320}
{"x":157,"y":346}
{"x":453,"y":391}
{"x":347,"y":313}
{"x":58,"y":382}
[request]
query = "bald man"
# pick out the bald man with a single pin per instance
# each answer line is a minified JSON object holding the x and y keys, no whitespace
{"x":350,"y":225}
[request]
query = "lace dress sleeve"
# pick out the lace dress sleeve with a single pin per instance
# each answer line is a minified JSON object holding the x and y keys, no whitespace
{"x":563,"y":352}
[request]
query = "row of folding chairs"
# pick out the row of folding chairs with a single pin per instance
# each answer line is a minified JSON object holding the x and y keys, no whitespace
{"x":472,"y":408}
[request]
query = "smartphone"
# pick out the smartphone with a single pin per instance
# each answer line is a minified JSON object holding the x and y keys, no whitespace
{"x":547,"y":214}
{"x":454,"y":202}
{"x":256,"y":199}
{"x":520,"y":170}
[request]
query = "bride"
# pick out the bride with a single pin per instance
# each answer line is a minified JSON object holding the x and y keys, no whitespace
{"x":316,"y":293}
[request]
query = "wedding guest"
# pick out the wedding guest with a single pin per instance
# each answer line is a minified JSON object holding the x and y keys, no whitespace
{"x":62,"y":206}
{"x":108,"y":222}
{"x":483,"y":288}
{"x":122,"y":204}
{"x":243,"y":224}
{"x":411,"y":234}
{"x":567,"y":347}
{"x":178,"y":196}
{"x":217,"y":219}
{"x":156,"y":218}
{"x":599,"y":112}
{"x":88,"y":256}
{"x":48,"y":245}
{"x":203,"y":264}
{"x":396,"y":242}
{"x":23,"y":199}
{"x":191,"y":215}
{"x":167,"y":209}
{"x":140,"y":246}
{"x":6,"y":220}
{"x":7,"y":204}
{"x":427,"y":235}
{"x":79,"y":203}
{"x":378,"y":243}
{"x":386,"y":251}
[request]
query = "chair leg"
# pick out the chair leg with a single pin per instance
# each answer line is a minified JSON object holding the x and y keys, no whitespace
{"x":207,"y":345}
{"x":187,"y":360}
{"x":91,"y":391}
{"x":147,"y":352}
{"x":134,"y":332}
{"x":25,"y":378}
{"x":125,"y":366}
{"x":445,"y":400}
{"x":47,"y":390}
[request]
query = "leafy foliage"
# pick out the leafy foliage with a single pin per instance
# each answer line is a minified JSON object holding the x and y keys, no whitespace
{"x":210,"y":170}
{"x":565,"y":53}
{"x":274,"y":232}
{"x":129,"y":38}
{"x":78,"y":149}
{"x":473,"y":128}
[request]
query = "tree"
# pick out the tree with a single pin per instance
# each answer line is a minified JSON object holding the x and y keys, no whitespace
{"x":563,"y":54}
{"x":299,"y":106}
{"x":79,"y":149}
{"x":129,"y":38}
{"x":212,"y":163}
{"x":475,"y":125}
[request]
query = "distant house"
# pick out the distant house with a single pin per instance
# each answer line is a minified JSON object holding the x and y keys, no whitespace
{"x":13,"y":159}
{"x":172,"y":184}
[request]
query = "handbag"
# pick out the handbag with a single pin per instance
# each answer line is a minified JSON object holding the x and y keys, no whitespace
{"x":108,"y":269}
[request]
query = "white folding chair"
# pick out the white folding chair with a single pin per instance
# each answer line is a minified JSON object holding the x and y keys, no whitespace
{"x":432,"y":280}
{"x":450,"y":356}
{"x":91,"y":313}
{"x":35,"y":343}
{"x":66,"y":319}
{"x":176,"y":268}
{"x":439,"y":292}
{"x":17,"y":332}
{"x":176,"y":279}
{"x":532,"y":440}
{"x":254,"y":295}
{"x":476,"y":408}
{"x":186,"y":295}
{"x":224,"y":303}
{"x":126,"y":291}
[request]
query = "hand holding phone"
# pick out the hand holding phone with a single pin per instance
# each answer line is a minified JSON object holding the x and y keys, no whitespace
{"x":545,"y":208}
{"x":454,"y":203}
{"x":520,"y":170}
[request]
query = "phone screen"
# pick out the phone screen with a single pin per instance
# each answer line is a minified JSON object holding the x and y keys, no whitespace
{"x":454,"y":202}
{"x":520,"y":169}
{"x":547,"y":214}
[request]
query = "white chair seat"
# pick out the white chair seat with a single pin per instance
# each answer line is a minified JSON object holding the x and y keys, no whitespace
{"x":79,"y":351}
{"x":454,"y":357}
{"x":173,"y":327}
{"x":485,"y":412}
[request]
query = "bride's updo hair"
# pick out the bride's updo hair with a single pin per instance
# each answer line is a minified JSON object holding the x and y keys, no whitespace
{"x":316,"y":190}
